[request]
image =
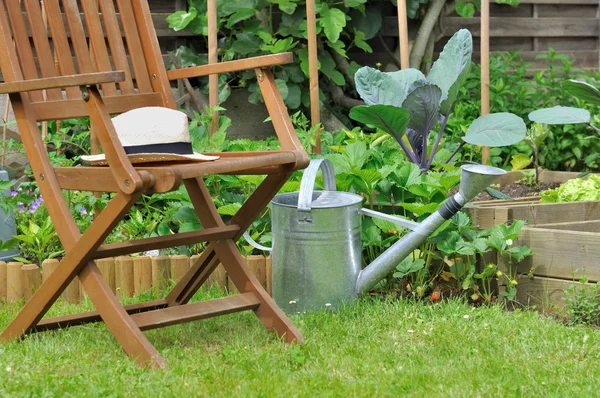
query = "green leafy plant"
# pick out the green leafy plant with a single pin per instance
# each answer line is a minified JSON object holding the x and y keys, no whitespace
{"x":461,"y":245}
{"x":514,"y":88}
{"x":575,"y":190}
{"x":251,"y":27}
{"x":582,"y":302}
{"x":38,"y":241}
{"x":408,"y":103}
{"x":529,"y":179}
{"x":568,"y":114}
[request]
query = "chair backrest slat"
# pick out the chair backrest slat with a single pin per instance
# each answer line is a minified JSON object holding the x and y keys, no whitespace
{"x":50,"y":38}
{"x":42,"y":44}
{"x":61,"y":44}
{"x":94,"y":26}
{"x":21,"y":41}
{"x":115,"y":41}
{"x":149,"y":41}
{"x":134,"y":46}
{"x":67,"y":109}
{"x":78,"y":37}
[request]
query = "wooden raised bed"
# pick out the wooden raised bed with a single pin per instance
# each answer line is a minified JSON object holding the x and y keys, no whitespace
{"x":489,"y":213}
{"x":564,"y":252}
{"x":127,"y":276}
{"x":486,"y":214}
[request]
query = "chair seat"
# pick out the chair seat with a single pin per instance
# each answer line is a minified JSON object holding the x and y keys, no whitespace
{"x":169,"y":176}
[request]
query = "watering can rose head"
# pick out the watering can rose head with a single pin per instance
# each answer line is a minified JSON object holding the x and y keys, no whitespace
{"x":408,"y":102}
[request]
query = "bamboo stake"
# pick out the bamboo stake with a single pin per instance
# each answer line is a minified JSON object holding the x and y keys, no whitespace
{"x":485,"y":69}
{"x":213,"y":80}
{"x":313,"y":71}
{"x":403,"y":34}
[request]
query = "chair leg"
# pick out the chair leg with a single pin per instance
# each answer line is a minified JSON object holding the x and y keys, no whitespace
{"x":75,"y":259}
{"x":243,"y":278}
{"x":206,"y":264}
{"x":127,"y":333}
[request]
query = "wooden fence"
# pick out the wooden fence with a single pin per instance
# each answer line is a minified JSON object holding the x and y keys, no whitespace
{"x":127,"y":276}
{"x":570,"y":27}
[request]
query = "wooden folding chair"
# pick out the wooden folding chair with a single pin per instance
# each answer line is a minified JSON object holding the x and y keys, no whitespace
{"x":79,"y":73}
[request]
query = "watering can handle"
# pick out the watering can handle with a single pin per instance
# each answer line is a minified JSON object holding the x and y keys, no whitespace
{"x":308,"y":183}
{"x":255,"y":244}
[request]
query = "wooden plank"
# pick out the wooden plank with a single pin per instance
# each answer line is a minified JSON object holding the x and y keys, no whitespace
{"x":582,"y":226}
{"x":196,"y":311}
{"x":68,"y":109}
{"x":528,"y":27}
{"x":559,"y":253}
{"x":546,"y":176}
{"x":566,"y":11}
{"x":544,"y":293}
{"x":564,"y":2}
{"x":555,"y":212}
{"x":586,"y":59}
{"x":129,"y":64}
{"x":561,"y":44}
{"x":515,"y":27}
{"x":263,"y":61}
{"x":62,"y":81}
{"x":163,"y":242}
{"x":160,"y":24}
{"x":93,"y":316}
{"x":534,"y":213}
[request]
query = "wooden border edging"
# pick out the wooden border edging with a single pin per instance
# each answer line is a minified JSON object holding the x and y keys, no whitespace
{"x":126,"y":276}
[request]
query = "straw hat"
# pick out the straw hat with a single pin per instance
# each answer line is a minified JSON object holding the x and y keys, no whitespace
{"x":153,"y":134}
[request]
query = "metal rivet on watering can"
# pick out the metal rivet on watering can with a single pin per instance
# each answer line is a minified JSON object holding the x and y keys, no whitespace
{"x":317,"y":251}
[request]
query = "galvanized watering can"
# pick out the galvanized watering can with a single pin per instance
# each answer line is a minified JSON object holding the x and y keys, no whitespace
{"x":317,"y":251}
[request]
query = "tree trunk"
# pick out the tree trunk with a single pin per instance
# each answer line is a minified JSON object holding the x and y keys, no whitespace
{"x":425,"y":30}
{"x":330,"y":122}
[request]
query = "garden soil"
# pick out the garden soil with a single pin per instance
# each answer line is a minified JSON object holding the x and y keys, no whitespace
{"x":519,"y":191}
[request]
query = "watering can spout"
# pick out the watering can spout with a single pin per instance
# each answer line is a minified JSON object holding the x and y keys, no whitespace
{"x":474,"y":179}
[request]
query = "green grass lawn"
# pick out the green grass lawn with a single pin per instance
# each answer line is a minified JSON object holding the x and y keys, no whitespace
{"x":375,"y":347}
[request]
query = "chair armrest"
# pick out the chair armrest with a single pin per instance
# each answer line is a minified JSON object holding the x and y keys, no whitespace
{"x":62,"y":81}
{"x":231,"y":66}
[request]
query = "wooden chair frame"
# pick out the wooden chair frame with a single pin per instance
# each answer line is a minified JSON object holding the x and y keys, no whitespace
{"x":129,"y":182}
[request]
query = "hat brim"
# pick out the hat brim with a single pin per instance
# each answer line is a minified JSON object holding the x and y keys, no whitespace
{"x":100,"y":160}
